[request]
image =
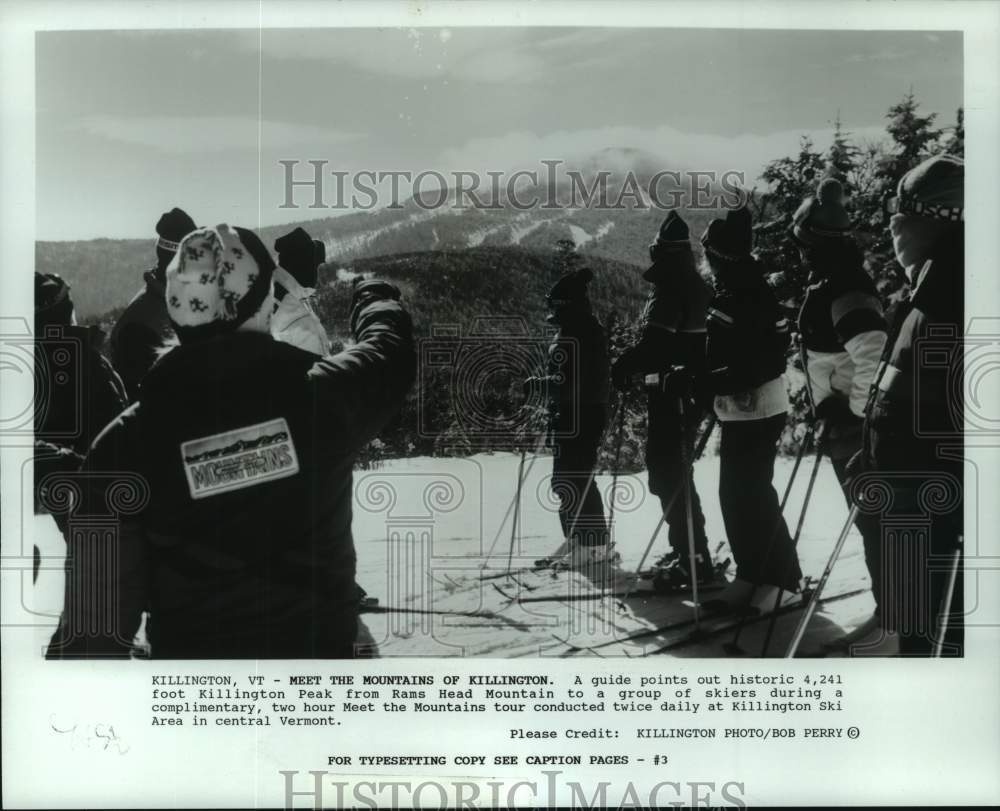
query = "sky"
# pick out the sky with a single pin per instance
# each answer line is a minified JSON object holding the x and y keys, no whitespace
{"x":131,"y":123}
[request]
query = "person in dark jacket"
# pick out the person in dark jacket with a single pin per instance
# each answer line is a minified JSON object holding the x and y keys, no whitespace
{"x":914,"y":429}
{"x":745,"y":363}
{"x":245,"y":445}
{"x":672,"y":335}
{"x":144,"y":326}
{"x":80,"y":393}
{"x":578,"y":386}
{"x":843,"y":332}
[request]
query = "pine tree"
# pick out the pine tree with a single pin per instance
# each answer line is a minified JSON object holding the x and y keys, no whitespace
{"x":842,"y":156}
{"x":955,"y":145}
{"x":914,"y":138}
{"x":790,"y":181}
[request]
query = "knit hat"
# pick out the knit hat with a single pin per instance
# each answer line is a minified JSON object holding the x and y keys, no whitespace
{"x":934,"y":189}
{"x":297,"y":254}
{"x":218,"y":279}
{"x":671,"y":247}
{"x":53,"y":306}
{"x":730,"y":239}
{"x":171,"y":228}
{"x":822,"y":217}
{"x":572,"y":286}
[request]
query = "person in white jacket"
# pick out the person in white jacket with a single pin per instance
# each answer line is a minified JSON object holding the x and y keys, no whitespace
{"x":747,"y":338}
{"x":843,"y":331}
{"x":294,"y":321}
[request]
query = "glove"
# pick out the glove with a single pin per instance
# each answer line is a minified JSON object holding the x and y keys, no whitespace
{"x":844,"y":438}
{"x":622,"y":377}
{"x":835,"y":411}
{"x":678,"y":382}
{"x":703,"y":394}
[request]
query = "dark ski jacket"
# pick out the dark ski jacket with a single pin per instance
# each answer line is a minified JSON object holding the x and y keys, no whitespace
{"x":80,"y":395}
{"x":843,"y":330}
{"x":748,"y":336}
{"x":578,"y":368}
{"x":140,"y":332}
{"x":918,"y":400}
{"x":246,"y":446}
{"x":672,"y":328}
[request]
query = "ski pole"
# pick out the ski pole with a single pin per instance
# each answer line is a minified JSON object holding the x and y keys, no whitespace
{"x":689,"y":517}
{"x":583,"y":493}
{"x":810,"y":438}
{"x":733,"y":646}
{"x":618,"y":453}
{"x":702,"y":442}
{"x":521,"y":476}
{"x":800,"y":630}
{"x":517,"y":510}
{"x":956,"y":557}
{"x":795,"y":543}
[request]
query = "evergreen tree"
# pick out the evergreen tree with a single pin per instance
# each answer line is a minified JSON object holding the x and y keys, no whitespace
{"x":841,"y":157}
{"x":914,"y":138}
{"x":790,"y":180}
{"x":955,"y":145}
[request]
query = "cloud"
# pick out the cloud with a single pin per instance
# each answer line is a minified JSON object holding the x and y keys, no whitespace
{"x":490,"y":55}
{"x":183,"y":135}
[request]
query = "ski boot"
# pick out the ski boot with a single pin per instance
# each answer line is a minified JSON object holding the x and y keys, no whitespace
{"x":733,"y":599}
{"x":580,"y":557}
{"x":844,"y":641}
{"x":673,"y":573}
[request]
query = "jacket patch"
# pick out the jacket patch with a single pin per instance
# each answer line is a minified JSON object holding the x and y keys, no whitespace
{"x":240,"y":458}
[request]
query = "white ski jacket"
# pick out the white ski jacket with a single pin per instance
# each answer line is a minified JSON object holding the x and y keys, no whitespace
{"x":294,"y":321}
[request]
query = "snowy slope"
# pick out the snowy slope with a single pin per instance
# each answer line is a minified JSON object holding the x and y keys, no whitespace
{"x":424,"y":529}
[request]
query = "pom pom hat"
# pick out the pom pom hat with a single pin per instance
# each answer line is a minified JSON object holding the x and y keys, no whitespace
{"x":219,"y":278}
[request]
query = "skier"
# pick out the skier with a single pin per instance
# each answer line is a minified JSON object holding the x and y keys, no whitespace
{"x":747,"y":337}
{"x":295,"y":322}
{"x":842,"y":327}
{"x":915,"y":423}
{"x":143,"y":328}
{"x":246,"y":445}
{"x":672,"y":335}
{"x":578,"y":391}
{"x":80,"y":391}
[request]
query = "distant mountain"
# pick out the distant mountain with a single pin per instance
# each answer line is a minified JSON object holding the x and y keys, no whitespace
{"x":106,"y":273}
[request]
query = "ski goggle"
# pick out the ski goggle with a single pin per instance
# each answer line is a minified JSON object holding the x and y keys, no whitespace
{"x":905,"y":204}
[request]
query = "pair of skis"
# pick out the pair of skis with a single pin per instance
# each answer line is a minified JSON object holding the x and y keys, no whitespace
{"x":707,"y":629}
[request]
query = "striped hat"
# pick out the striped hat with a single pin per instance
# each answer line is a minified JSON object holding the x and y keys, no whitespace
{"x":934,"y":188}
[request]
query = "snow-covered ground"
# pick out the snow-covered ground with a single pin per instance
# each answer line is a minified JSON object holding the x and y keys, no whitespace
{"x":426,"y":530}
